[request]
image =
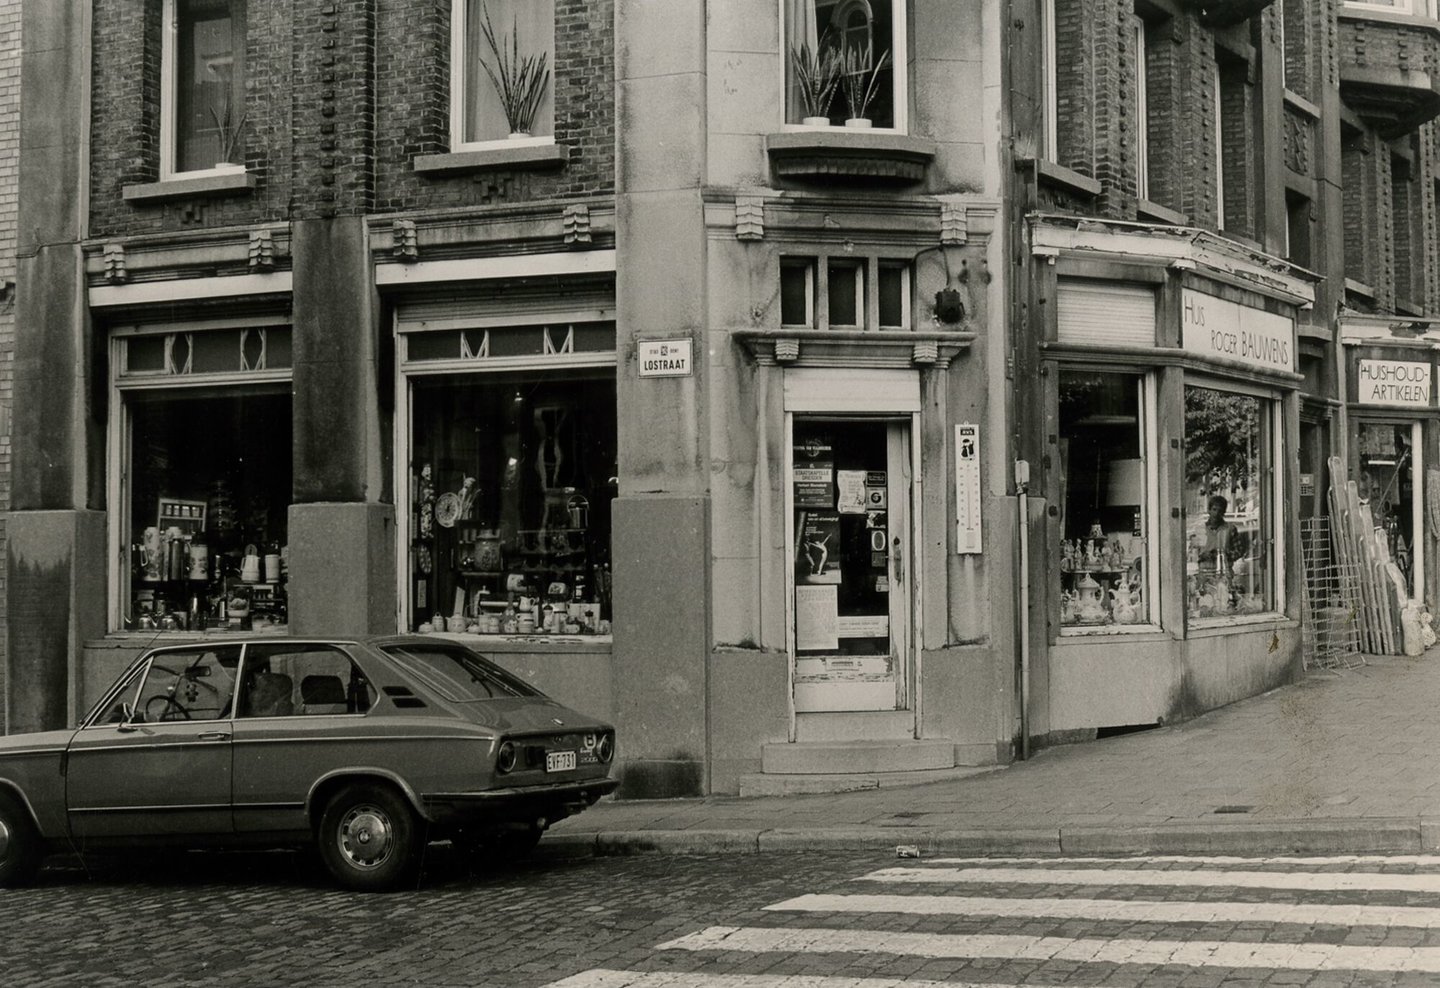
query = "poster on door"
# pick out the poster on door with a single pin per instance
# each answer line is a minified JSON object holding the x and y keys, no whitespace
{"x":813,"y":474}
{"x":817,"y":550}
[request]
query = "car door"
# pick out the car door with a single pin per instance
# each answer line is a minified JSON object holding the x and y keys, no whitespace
{"x":157,"y":762}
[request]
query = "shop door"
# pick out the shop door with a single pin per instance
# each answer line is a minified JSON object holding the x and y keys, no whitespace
{"x":852,"y":573}
{"x":1389,"y":479}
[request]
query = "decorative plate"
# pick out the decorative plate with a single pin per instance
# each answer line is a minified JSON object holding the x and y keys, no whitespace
{"x":422,"y":559}
{"x":447,"y":509}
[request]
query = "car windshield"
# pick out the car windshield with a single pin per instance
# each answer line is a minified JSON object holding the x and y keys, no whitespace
{"x":458,"y":673}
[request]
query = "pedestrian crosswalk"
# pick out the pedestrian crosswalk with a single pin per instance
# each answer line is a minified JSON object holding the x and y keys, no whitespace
{"x":999,"y":922}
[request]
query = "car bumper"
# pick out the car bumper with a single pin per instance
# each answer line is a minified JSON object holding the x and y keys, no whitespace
{"x":553,"y":802}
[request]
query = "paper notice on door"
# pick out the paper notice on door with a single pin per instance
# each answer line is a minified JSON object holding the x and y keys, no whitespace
{"x":863,"y":626}
{"x":851,"y":485}
{"x":816,"y":618}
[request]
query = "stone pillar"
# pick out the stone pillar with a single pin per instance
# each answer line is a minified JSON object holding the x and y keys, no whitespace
{"x":56,"y":559}
{"x":661,"y":518}
{"x":342,"y":520}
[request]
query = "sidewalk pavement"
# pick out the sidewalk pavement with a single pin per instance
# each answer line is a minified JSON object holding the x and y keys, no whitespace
{"x":1345,"y":762}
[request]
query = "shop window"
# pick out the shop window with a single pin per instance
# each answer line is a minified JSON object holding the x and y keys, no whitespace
{"x":203,"y":98}
{"x":512,"y":476}
{"x":1229,"y":504}
{"x":1105,"y":577}
{"x":209,"y":489}
{"x":502,"y":72}
{"x":1389,"y":468}
{"x":202,"y":476}
{"x":845,"y":61}
{"x":847,"y":285}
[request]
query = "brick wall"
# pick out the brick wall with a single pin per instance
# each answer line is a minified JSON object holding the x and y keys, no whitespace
{"x":1181,"y":128}
{"x":340,"y":98}
{"x":9,"y":162}
{"x":413,"y":116}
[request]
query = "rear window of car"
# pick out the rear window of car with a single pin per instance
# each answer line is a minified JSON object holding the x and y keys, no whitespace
{"x":458,"y":673}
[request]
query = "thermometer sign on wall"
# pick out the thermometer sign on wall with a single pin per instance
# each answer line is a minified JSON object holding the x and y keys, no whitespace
{"x":967,"y":488}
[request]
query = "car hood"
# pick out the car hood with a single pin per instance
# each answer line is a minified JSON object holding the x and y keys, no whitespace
{"x":36,"y":740}
{"x":527,"y":713}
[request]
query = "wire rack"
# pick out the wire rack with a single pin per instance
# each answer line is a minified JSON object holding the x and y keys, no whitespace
{"x":1330,"y":629}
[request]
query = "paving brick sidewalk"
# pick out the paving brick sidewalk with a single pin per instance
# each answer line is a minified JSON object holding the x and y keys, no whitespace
{"x":1345,"y":761}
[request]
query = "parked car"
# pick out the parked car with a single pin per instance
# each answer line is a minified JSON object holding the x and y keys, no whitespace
{"x":367,"y":748}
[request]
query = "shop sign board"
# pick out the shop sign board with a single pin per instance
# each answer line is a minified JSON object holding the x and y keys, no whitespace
{"x":967,"y":488}
{"x":1403,"y":383}
{"x":1217,"y":327}
{"x":665,"y":358}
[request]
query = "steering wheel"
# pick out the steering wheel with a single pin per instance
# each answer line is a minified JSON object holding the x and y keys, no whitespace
{"x":170,"y":709}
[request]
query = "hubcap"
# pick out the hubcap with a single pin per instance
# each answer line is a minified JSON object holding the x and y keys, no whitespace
{"x":4,"y":838}
{"x":365,"y":836}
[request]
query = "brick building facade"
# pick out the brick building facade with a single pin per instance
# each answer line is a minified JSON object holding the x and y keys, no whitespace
{"x":698,"y":403}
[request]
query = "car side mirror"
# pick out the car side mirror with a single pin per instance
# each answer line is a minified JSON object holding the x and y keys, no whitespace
{"x":127,"y":719}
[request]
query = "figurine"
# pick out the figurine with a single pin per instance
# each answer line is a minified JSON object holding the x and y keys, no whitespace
{"x":425,"y":497}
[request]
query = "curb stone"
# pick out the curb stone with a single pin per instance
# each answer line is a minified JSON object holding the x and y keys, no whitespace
{"x":1329,"y":836}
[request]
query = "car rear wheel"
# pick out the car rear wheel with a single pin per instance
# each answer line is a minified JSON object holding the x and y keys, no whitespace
{"x":19,"y":844}
{"x":369,"y":839}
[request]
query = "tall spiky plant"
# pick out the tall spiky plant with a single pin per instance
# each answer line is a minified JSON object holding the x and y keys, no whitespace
{"x":817,"y":75}
{"x":860,"y":79}
{"x":519,"y":82}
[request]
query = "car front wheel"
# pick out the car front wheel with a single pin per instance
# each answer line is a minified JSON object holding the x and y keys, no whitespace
{"x":19,"y":844}
{"x":369,"y":839}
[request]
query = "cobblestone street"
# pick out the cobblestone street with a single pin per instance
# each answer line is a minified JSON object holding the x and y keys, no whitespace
{"x":860,"y":920}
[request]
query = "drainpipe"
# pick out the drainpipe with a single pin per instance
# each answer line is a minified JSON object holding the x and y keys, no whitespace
{"x":1022,"y":496}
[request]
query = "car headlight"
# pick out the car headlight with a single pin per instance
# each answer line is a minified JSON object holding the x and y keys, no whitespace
{"x":505,"y":758}
{"x":605,"y":748}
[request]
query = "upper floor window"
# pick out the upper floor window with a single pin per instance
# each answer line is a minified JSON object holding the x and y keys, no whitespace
{"x":1420,"y":8}
{"x":845,"y":63}
{"x":202,"y":105}
{"x":502,"y":59}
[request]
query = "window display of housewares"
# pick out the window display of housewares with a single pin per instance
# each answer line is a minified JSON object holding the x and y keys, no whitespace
{"x":1101,"y":581}
{"x":181,"y":582}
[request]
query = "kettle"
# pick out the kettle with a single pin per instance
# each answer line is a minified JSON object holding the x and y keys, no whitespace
{"x":250,"y":565}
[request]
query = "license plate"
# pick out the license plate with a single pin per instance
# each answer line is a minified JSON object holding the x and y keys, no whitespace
{"x":559,"y":761}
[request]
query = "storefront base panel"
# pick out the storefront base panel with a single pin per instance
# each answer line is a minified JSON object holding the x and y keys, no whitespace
{"x":959,"y":701}
{"x":661,"y":544}
{"x":747,"y":711}
{"x":1106,"y":682}
{"x":342,"y":568}
{"x":56,"y":598}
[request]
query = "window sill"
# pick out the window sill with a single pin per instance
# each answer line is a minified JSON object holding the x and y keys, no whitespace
{"x":1211,"y":626}
{"x":527,"y":156}
{"x":1359,"y":288}
{"x":1127,"y":632}
{"x":823,"y":154}
{"x":1148,"y":210}
{"x":506,"y":644}
{"x":206,"y":185}
{"x":1057,"y":176}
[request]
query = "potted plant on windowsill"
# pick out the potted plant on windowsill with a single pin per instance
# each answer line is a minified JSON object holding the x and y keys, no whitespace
{"x":519,"y":82}
{"x":229,"y":132}
{"x":817,"y":75}
{"x":860,"y":80}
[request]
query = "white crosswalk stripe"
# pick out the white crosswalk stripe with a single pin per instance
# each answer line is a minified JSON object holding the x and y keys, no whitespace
{"x":1153,"y":934}
{"x":1193,"y":953}
{"x":602,"y":978}
{"x":1132,"y":911}
{"x":1309,"y":880}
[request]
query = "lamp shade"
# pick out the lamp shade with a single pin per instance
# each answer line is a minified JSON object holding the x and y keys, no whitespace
{"x":1126,"y":487}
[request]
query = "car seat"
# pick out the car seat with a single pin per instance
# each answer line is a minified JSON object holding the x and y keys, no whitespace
{"x":270,"y":696}
{"x":322,"y":695}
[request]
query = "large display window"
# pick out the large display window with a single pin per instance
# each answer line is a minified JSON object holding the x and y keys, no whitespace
{"x":201,"y":473}
{"x":1230,"y":503}
{"x":511,"y":480}
{"x":1104,"y":568}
